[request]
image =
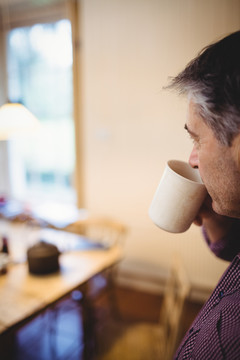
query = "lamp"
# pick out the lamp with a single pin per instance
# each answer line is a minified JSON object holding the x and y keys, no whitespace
{"x":16,"y":119}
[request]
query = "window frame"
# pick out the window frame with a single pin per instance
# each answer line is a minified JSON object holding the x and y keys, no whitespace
{"x":26,"y":15}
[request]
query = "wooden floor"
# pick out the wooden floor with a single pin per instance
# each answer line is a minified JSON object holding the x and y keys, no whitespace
{"x":58,"y":335}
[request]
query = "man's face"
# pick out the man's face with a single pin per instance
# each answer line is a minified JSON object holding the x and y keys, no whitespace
{"x":216,"y":164}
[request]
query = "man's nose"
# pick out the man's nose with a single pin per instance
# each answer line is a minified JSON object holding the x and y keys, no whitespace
{"x":193,"y":159}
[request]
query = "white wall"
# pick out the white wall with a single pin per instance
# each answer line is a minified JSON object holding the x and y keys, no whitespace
{"x":131,"y":126}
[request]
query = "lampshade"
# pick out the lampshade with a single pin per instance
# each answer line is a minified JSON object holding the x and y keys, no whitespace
{"x":15,"y":120}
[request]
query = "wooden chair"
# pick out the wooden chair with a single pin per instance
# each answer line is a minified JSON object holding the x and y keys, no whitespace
{"x":148,"y":341}
{"x":177,"y":289}
{"x":108,"y":233}
{"x":102,"y":230}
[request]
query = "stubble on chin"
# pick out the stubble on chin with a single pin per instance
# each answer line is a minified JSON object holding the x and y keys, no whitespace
{"x":226,"y":208}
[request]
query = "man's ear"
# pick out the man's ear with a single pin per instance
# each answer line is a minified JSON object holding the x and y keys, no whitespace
{"x":236,"y":150}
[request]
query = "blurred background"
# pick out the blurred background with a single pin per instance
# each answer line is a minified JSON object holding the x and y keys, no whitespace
{"x":92,"y":72}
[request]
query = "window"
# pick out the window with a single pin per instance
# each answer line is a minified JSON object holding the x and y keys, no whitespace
{"x":39,"y":59}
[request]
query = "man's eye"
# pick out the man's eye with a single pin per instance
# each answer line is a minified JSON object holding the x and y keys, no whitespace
{"x":195,"y":142}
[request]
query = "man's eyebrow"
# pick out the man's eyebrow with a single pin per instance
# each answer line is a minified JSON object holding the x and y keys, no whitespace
{"x":191,"y":133}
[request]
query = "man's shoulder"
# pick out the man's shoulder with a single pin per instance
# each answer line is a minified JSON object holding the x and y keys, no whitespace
{"x":230,"y":307}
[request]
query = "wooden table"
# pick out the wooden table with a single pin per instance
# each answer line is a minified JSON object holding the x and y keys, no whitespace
{"x":23,"y":295}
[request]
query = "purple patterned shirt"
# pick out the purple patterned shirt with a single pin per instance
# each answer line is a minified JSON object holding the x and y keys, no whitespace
{"x":215,"y":333}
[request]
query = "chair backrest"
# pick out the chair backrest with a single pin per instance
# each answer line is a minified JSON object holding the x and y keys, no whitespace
{"x":177,"y":289}
{"x":100,"y":229}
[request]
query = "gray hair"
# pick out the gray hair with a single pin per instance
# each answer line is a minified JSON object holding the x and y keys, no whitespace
{"x":212,"y":81}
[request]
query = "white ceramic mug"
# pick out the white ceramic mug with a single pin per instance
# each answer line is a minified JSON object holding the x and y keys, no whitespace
{"x":178,"y":197}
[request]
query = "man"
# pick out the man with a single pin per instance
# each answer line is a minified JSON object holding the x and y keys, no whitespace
{"x":212,"y":84}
